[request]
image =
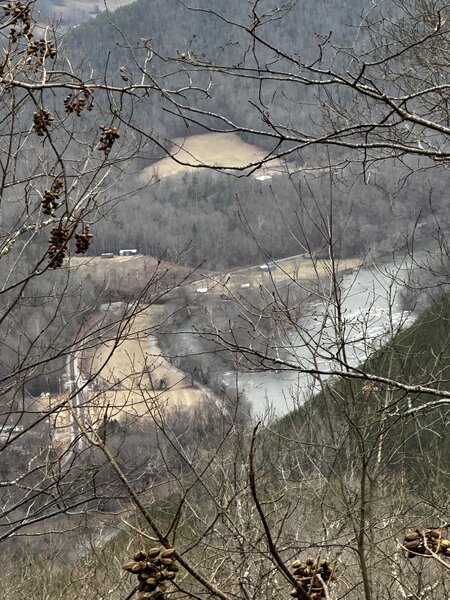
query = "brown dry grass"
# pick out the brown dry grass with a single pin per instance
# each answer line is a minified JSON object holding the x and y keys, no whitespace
{"x":134,"y":360}
{"x":214,"y":149}
{"x":140,"y":264}
{"x":67,"y":9}
{"x":289,"y":270}
{"x":131,"y":370}
{"x":124,"y":276}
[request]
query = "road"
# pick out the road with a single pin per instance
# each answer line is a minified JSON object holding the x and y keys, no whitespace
{"x":289,"y":270}
{"x":76,"y":387}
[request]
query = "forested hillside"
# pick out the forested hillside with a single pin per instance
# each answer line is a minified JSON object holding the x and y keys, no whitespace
{"x":222,"y":222}
{"x":142,"y":306}
{"x":198,"y":212}
{"x":419,"y":355}
{"x":172,"y":30}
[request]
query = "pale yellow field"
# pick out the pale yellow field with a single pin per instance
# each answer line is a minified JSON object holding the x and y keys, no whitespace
{"x":307,"y":268}
{"x":289,"y":270}
{"x":127,"y":404}
{"x":226,"y":150}
{"x":83,"y":9}
{"x":129,"y":379}
{"x":135,"y":361}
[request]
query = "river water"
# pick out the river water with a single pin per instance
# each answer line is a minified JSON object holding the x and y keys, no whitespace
{"x":371,"y":311}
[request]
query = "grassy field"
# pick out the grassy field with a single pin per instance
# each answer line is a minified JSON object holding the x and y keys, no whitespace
{"x":76,"y":11}
{"x":213,"y":149}
{"x":136,"y":353}
{"x":123,"y":277}
{"x":133,"y":379}
{"x":289,"y":270}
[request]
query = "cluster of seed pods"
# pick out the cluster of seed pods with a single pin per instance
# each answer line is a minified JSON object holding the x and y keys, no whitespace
{"x":311,"y":576}
{"x":154,"y":568}
{"x":426,"y":542}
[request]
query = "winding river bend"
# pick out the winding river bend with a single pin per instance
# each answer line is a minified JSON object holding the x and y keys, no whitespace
{"x":371,"y":311}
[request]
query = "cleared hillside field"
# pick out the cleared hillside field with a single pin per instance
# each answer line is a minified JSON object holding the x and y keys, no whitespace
{"x":123,"y":277}
{"x":131,"y":378}
{"x":77,"y":11}
{"x":209,"y":149}
{"x":299,"y":269}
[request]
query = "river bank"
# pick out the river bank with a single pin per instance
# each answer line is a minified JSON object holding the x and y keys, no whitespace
{"x":241,"y":324}
{"x":368,"y":310}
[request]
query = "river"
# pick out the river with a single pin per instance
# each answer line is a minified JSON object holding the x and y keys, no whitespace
{"x":371,"y":310}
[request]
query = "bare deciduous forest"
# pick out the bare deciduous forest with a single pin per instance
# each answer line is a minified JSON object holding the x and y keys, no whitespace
{"x":224,"y":355}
